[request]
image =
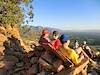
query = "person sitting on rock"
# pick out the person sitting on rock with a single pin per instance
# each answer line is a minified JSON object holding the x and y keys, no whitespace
{"x":55,"y":41}
{"x":70,"y":53}
{"x":76,"y":44}
{"x":48,"y":55}
{"x":88,"y":50}
{"x":44,"y":40}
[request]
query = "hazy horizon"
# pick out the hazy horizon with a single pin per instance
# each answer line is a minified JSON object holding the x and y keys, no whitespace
{"x":90,"y":30}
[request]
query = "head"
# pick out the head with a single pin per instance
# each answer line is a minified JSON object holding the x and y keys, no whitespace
{"x":45,"y":33}
{"x":55,"y":35}
{"x":65,"y":40}
{"x":84,"y":42}
{"x":76,"y":41}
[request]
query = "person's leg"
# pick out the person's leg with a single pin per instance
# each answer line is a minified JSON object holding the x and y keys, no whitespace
{"x":80,"y":53}
{"x":79,"y":50}
{"x":61,"y":67}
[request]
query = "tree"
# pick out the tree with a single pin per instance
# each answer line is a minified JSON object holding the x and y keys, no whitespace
{"x":12,"y":11}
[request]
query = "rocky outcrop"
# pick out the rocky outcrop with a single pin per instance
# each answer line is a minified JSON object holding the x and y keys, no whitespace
{"x":13,"y":53}
{"x":17,"y":59}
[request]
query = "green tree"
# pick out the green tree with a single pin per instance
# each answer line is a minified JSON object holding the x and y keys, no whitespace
{"x":12,"y":11}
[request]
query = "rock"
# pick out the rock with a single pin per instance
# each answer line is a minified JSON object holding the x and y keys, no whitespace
{"x":2,"y":64}
{"x":19,"y":55}
{"x":11,"y":58}
{"x":43,"y":63}
{"x":9,"y":65}
{"x":1,"y":58}
{"x":10,"y":61}
{"x":39,"y":48}
{"x":2,"y":38}
{"x":19,"y":69}
{"x":1,"y":43}
{"x":34,"y":60}
{"x":21,"y":64}
{"x":93,"y":72}
{"x":9,"y":52}
{"x":2,"y":30}
{"x":2,"y":50}
{"x":3,"y":71}
{"x":16,"y":74}
{"x":41,"y":73}
{"x":15,"y":32}
{"x":23,"y":72}
{"x":30,"y":54}
{"x":38,"y":53}
{"x":33,"y":70}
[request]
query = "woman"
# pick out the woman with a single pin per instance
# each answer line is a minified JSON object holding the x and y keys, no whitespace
{"x":44,"y":40}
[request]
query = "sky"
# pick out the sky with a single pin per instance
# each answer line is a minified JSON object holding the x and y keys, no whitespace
{"x":67,"y":14}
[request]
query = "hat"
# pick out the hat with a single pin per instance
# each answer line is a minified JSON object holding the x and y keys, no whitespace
{"x":45,"y":31}
{"x":64,"y":38}
{"x":56,"y":33}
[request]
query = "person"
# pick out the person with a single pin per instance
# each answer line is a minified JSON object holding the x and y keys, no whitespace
{"x":44,"y":39}
{"x":76,"y":44}
{"x":87,"y":49}
{"x":70,"y":53}
{"x":48,"y":55}
{"x":55,"y":40}
{"x":78,"y":49}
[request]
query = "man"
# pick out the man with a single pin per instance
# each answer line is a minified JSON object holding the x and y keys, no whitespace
{"x":70,"y":53}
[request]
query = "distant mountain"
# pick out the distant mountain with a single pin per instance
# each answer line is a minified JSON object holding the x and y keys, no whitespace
{"x":49,"y":28}
{"x":54,"y":29}
{"x":94,"y":31}
{"x":36,"y":27}
{"x":39,"y":28}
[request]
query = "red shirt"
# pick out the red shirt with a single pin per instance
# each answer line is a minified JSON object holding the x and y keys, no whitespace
{"x":56,"y":43}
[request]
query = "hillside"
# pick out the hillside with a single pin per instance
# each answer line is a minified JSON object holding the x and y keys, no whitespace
{"x":91,"y":36}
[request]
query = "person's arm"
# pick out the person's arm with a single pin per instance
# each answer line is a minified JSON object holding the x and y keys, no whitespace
{"x":57,"y":44}
{"x":50,"y":45}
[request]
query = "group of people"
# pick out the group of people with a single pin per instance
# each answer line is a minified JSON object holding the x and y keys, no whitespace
{"x":61,"y":42}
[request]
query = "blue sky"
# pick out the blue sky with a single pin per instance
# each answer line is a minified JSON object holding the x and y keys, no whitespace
{"x":67,"y":14}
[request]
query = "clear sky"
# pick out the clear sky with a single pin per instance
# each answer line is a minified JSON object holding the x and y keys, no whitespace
{"x":67,"y":14}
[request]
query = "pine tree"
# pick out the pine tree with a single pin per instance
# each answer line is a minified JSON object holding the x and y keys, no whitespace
{"x":12,"y":11}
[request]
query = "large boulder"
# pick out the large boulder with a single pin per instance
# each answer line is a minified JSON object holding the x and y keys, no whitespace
{"x":3,"y":38}
{"x":33,"y":70}
{"x":2,"y":50}
{"x":34,"y":60}
{"x":2,"y":30}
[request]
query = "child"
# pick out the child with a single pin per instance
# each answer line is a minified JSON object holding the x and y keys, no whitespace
{"x":55,"y":40}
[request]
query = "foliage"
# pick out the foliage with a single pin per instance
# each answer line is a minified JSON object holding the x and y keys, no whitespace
{"x":30,"y":33}
{"x":11,"y":11}
{"x":91,"y":39}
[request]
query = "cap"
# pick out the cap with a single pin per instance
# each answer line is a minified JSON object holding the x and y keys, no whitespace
{"x":64,"y":38}
{"x":45,"y":31}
